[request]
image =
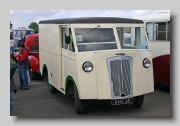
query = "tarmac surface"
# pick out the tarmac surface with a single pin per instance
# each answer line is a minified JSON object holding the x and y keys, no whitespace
{"x":38,"y":102}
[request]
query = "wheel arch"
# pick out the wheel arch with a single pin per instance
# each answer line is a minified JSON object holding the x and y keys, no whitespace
{"x":32,"y":60}
{"x":44,"y":70}
{"x":69,"y":85}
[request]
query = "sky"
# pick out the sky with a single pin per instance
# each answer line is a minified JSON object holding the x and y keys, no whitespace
{"x":23,"y":18}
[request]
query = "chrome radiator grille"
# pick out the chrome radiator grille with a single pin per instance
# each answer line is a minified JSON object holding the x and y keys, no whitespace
{"x":120,"y":73}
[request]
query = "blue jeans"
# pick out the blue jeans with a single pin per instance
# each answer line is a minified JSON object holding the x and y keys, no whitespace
{"x":23,"y":77}
{"x":11,"y":49}
{"x":29,"y":80}
{"x":12,"y":98}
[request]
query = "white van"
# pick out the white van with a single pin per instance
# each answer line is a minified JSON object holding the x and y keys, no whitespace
{"x":90,"y":59}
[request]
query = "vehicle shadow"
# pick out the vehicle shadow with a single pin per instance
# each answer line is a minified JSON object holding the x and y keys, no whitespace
{"x":163,"y":88}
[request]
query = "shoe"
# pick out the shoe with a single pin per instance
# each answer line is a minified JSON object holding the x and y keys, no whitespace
{"x":20,"y":87}
{"x":25,"y":88}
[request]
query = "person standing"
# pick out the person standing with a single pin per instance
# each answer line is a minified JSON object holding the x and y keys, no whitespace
{"x":13,"y":66}
{"x":21,"y":39}
{"x":23,"y":66}
{"x":28,"y":76}
{"x":12,"y":45}
{"x":13,"y":90}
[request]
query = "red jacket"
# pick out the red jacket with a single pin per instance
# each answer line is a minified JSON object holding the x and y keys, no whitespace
{"x":23,"y":56}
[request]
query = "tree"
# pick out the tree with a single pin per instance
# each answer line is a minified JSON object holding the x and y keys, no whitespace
{"x":34,"y":26}
{"x":11,"y":25}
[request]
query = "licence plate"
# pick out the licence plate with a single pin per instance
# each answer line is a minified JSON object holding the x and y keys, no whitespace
{"x":121,"y":101}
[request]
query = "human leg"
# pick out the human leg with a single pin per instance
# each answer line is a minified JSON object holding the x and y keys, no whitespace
{"x":20,"y":77}
{"x":28,"y":76}
{"x":24,"y":78}
{"x":12,"y":98}
{"x":11,"y":50}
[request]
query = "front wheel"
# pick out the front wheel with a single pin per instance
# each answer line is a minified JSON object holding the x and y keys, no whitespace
{"x":138,"y":101}
{"x":78,"y":102}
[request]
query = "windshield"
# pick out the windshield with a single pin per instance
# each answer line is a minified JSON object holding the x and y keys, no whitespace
{"x":132,"y":38}
{"x":18,"y":33}
{"x":96,"y":39}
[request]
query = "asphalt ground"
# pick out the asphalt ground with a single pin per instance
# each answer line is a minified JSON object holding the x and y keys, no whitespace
{"x":38,"y":102}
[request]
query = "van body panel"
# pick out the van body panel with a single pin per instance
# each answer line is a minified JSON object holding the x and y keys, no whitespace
{"x":62,"y":63}
{"x":49,"y":52}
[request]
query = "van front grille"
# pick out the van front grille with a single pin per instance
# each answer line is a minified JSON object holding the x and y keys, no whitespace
{"x":120,"y":71}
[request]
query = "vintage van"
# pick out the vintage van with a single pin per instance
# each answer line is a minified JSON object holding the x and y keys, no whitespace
{"x":96,"y":58}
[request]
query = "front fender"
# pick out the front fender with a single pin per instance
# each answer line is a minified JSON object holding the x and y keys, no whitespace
{"x":34,"y":63}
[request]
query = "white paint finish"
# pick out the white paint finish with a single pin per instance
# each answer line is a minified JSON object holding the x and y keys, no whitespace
{"x":65,"y":67}
{"x":49,"y":51}
{"x":68,"y":66}
{"x":86,"y":81}
{"x":159,"y":48}
{"x":139,"y":81}
{"x":148,"y":84}
{"x":95,"y":84}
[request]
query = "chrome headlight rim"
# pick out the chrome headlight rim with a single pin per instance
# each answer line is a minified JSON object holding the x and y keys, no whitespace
{"x":85,"y":65}
{"x":145,"y":61}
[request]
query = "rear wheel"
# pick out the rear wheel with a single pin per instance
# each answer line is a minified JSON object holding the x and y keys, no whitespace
{"x":33,"y":75}
{"x":138,"y":101}
{"x":78,"y":102}
{"x":51,"y":88}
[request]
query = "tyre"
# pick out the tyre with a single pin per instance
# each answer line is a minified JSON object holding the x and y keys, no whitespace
{"x":157,"y":85}
{"x":51,"y":88}
{"x":138,"y":101}
{"x":78,"y":102}
{"x":40,"y":77}
{"x":33,"y":75}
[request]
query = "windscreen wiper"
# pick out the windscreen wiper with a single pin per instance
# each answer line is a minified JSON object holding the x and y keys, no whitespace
{"x":93,"y":29}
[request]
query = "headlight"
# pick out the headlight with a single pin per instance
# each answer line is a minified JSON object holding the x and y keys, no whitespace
{"x":87,"y":66}
{"x":146,"y":63}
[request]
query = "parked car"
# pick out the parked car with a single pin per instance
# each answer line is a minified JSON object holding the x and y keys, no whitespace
{"x":32,"y":45}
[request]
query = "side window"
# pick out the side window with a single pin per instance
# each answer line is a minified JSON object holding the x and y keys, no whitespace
{"x":64,"y":45}
{"x":71,"y":45}
{"x":158,"y":31}
{"x":132,"y":38}
{"x":169,"y":31}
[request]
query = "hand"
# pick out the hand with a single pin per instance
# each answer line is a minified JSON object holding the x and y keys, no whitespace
{"x":16,"y":54}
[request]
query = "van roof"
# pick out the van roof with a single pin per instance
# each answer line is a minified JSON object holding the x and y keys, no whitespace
{"x":90,"y":20}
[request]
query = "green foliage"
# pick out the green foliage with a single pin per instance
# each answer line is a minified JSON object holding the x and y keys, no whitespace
{"x":34,"y":26}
